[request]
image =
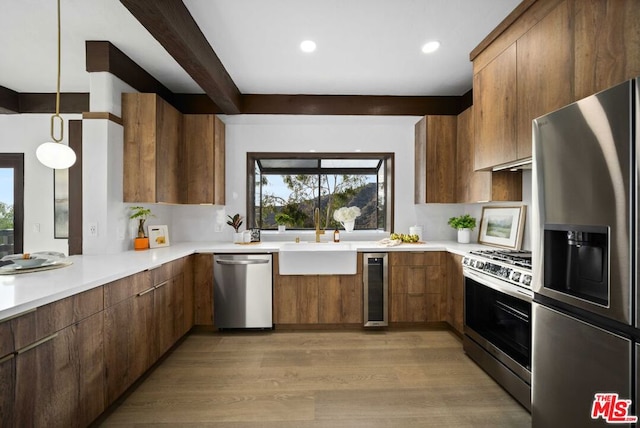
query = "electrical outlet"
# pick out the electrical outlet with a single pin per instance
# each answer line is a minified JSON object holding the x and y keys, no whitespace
{"x":36,"y":227}
{"x":93,"y":229}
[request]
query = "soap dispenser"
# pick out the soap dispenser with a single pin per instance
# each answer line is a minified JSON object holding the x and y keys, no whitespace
{"x":336,"y":235}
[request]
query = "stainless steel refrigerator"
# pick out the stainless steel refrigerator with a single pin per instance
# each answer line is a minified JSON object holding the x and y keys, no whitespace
{"x":586,"y":328}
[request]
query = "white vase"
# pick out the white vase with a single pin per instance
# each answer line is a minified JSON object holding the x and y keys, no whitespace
{"x":464,"y":236}
{"x":282,"y":228}
{"x":237,"y":238}
{"x":348,"y":225}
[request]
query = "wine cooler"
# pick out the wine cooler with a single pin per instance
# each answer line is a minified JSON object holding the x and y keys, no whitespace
{"x":376,"y":289}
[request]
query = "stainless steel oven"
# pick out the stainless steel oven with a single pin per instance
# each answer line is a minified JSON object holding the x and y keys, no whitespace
{"x":497,"y":318}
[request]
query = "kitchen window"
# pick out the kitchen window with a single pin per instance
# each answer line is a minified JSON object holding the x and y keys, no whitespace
{"x":286,"y":188}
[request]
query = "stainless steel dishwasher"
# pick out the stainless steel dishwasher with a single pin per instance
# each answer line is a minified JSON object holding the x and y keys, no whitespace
{"x":242,"y":291}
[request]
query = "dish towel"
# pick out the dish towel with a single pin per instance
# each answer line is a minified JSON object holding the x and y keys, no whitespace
{"x":387,"y":242}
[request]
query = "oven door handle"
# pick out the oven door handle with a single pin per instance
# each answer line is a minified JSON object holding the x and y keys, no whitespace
{"x":511,"y":291}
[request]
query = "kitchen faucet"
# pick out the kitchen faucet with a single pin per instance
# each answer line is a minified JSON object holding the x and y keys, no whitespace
{"x":316,"y":220}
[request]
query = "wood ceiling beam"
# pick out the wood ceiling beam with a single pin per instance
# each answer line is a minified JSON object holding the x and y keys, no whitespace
{"x":104,"y":56}
{"x":9,"y":101}
{"x":170,"y":22}
{"x":70,"y":102}
{"x":12,"y":102}
{"x":351,"y":105}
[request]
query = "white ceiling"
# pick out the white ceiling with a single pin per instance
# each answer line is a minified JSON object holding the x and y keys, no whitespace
{"x":365,"y":47}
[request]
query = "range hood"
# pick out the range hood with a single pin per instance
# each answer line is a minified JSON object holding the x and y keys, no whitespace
{"x":514,"y":166}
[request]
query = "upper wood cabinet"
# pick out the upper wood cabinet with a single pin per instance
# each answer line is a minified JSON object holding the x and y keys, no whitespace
{"x":480,"y":186}
{"x":553,"y":53}
{"x":152,"y":150}
{"x":204,"y":139}
{"x":544,"y":72}
{"x":607,"y":44}
{"x":435,"y":159}
{"x":494,"y":102}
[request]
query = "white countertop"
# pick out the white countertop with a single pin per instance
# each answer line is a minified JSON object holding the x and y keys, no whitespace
{"x":26,"y":291}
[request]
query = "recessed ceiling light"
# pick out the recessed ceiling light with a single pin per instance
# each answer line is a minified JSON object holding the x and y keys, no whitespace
{"x":308,"y":46}
{"x":430,"y":47}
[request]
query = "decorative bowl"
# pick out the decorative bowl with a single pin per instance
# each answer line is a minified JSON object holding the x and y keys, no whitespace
{"x":30,"y":262}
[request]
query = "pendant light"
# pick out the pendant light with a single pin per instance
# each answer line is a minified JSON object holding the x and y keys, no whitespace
{"x":55,"y":154}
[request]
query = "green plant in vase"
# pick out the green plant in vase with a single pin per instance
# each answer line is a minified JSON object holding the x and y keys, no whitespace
{"x":464,"y":224}
{"x":141,"y":214}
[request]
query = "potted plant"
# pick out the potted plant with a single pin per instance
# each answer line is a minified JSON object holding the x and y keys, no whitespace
{"x":464,"y":224}
{"x":141,"y":242}
{"x":236,"y":222}
{"x":283,"y":220}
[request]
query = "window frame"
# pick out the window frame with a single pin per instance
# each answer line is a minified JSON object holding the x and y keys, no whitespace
{"x":387,"y":157}
{"x":16,"y":161}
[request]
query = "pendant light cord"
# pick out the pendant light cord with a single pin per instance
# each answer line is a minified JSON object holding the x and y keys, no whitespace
{"x":57,"y":115}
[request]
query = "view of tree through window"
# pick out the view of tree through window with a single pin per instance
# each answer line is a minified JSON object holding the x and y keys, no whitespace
{"x":287,"y":191}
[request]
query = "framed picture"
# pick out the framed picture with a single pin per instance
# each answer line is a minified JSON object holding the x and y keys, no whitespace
{"x":502,"y":226}
{"x":158,"y":236}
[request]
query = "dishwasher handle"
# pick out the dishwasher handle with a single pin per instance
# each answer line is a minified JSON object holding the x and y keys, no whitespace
{"x":243,"y":262}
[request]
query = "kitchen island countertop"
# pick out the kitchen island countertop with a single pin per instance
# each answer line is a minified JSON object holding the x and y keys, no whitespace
{"x":26,"y":291}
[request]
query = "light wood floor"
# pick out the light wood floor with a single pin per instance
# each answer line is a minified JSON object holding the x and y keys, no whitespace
{"x":334,"y":379}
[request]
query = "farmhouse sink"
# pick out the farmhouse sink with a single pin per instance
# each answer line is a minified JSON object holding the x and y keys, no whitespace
{"x":324,"y":258}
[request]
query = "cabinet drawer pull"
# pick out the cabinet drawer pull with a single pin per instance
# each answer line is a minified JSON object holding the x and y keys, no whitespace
{"x":36,"y":344}
{"x":142,"y":293}
{"x":18,"y":315}
{"x":7,"y":357}
{"x":162,"y":284}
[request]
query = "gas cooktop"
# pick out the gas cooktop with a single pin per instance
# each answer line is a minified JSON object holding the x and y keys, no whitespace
{"x":514,"y":257}
{"x":510,"y":266}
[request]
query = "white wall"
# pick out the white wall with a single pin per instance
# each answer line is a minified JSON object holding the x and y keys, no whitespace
{"x":23,"y":133}
{"x":265,"y":133}
{"x":102,"y":179}
{"x":103,"y":176}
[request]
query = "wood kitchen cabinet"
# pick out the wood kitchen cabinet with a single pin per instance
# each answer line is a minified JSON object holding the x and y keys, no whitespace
{"x":455,"y":293}
{"x":144,"y":316}
{"x":416,"y":287}
{"x":317,"y":299}
{"x":153,"y":150}
{"x":480,"y":186}
{"x":340,"y":298}
{"x":203,"y":289}
{"x":551,"y":54}
{"x":168,"y":295}
{"x":129,"y":332}
{"x":296,"y":299}
{"x":435,"y":159}
{"x":607,"y":44}
{"x":204,"y":140}
{"x":17,"y":333}
{"x":495,"y":103}
{"x":544,"y":68}
{"x":57,"y":379}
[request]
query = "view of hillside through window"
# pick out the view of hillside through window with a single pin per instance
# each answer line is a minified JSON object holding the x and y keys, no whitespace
{"x":288,"y":191}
